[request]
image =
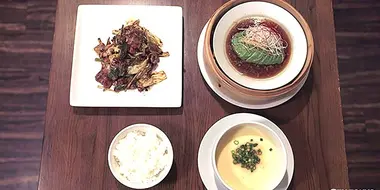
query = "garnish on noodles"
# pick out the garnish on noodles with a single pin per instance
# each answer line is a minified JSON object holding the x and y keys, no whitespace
{"x":258,"y":47}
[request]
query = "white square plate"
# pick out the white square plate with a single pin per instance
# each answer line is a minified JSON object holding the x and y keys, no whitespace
{"x":98,"y":21}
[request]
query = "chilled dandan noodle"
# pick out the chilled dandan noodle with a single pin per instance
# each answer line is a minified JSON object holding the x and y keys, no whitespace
{"x":258,"y":47}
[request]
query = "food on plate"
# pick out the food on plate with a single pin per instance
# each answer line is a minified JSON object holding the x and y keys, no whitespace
{"x":247,"y":159}
{"x":258,"y":47}
{"x":141,"y":156}
{"x":130,"y":58}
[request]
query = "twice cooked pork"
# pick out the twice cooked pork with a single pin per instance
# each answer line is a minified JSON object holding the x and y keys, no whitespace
{"x":130,"y":58}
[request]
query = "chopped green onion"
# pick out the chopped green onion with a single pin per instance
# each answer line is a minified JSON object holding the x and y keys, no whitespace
{"x":246,"y":155}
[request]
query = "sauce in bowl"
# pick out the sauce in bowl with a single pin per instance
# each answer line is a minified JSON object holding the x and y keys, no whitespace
{"x":252,"y":69}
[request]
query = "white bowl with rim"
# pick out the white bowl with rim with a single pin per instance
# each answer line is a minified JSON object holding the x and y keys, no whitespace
{"x":114,"y":167}
{"x":281,"y":17}
{"x":268,"y":134}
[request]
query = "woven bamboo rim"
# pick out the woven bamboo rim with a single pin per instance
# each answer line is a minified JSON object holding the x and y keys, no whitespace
{"x":232,"y":85}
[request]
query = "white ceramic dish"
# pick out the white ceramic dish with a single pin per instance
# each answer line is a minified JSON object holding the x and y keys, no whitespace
{"x":114,"y":166}
{"x":84,"y":91}
{"x":280,"y":16}
{"x":265,"y":131}
{"x":206,"y":149}
{"x":226,"y":95}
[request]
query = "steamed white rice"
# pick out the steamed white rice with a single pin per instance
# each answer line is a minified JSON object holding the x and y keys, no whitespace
{"x":142,"y":156}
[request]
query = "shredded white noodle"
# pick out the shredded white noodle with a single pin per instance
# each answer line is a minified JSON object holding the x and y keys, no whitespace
{"x":265,"y":38}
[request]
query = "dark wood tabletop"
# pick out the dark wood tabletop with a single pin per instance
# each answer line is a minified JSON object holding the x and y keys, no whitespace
{"x":76,"y":140}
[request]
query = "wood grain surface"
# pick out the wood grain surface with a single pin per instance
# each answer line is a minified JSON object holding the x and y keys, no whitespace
{"x":26,"y":33}
{"x":76,"y":140}
{"x":358,"y":36}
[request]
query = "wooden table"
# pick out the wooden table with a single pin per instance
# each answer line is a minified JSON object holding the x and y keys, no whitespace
{"x":76,"y":140}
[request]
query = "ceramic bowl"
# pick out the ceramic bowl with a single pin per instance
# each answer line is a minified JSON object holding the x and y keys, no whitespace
{"x":267,"y":134}
{"x":114,"y":167}
{"x":297,"y":43}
